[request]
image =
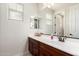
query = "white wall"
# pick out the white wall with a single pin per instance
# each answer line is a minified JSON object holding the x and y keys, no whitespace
{"x":13,"y":34}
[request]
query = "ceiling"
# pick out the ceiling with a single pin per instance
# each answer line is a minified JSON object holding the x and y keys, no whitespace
{"x":58,"y":6}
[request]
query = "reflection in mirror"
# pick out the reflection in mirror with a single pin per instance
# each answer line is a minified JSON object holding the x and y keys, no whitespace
{"x":72,"y":21}
{"x":65,"y":20}
{"x":34,"y":22}
{"x":59,"y":25}
{"x":46,"y":22}
{"x":67,"y":24}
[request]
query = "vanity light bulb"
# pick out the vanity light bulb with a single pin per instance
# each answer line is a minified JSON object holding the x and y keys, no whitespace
{"x":49,"y":6}
{"x":52,"y":3}
{"x":32,"y":16}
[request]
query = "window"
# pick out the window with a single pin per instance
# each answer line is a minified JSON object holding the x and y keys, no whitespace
{"x":16,"y":11}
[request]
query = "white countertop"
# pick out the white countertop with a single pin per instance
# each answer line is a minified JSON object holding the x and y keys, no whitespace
{"x":70,"y":46}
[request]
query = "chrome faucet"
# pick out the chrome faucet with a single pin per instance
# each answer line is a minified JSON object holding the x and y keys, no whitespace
{"x":62,"y":38}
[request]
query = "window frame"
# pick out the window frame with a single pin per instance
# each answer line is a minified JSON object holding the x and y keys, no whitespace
{"x":21,"y":12}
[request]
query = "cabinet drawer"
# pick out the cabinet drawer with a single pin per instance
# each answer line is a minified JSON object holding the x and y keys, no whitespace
{"x":33,"y":46}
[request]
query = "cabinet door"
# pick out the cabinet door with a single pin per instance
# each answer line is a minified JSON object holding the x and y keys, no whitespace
{"x":46,"y":50}
{"x":35,"y":52}
{"x":30,"y":46}
{"x":44,"y":53}
{"x":33,"y":47}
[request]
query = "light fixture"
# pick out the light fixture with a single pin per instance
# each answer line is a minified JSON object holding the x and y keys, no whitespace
{"x":32,"y":16}
{"x":48,"y":5}
{"x":52,"y":4}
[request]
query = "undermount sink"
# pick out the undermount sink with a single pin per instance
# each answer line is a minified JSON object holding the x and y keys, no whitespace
{"x":72,"y":42}
{"x":48,"y":38}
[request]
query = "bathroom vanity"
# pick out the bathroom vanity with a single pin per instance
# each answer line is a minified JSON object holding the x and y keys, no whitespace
{"x":64,"y":22}
{"x":40,"y":47}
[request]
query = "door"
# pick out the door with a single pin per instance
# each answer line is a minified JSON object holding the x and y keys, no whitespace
{"x":59,"y":25}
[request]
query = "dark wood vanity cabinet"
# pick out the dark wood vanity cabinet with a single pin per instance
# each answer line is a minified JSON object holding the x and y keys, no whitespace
{"x":37,"y":48}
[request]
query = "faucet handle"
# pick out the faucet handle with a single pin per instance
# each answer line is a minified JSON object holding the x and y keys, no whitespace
{"x":62,"y":39}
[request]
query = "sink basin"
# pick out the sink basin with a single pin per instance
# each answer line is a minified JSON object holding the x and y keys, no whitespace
{"x":68,"y":41}
{"x":48,"y":38}
{"x":72,"y":42}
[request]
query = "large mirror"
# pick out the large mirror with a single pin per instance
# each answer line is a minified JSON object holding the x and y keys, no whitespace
{"x":67,"y":22}
{"x":62,"y":22}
